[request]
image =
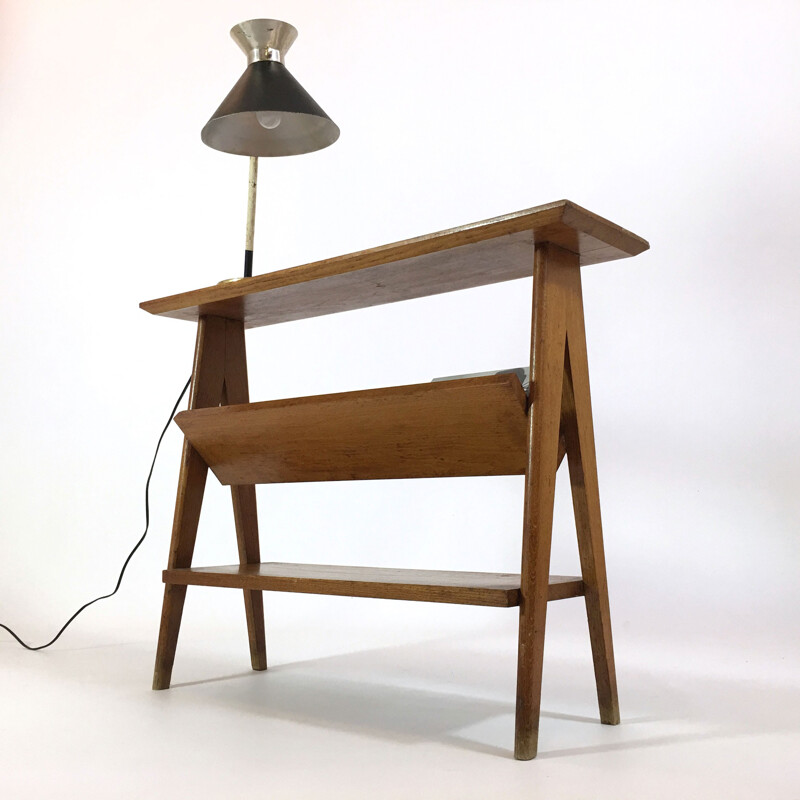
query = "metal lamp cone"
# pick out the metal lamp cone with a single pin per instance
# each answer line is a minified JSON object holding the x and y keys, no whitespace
{"x":268,"y":113}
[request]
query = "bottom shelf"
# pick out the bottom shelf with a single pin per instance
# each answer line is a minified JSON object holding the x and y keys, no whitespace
{"x":467,"y":588}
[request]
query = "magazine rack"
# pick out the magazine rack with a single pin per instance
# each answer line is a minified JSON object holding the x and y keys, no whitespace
{"x":473,"y":426}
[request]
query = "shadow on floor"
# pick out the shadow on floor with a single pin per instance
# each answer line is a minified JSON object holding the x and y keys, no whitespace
{"x":331,"y":693}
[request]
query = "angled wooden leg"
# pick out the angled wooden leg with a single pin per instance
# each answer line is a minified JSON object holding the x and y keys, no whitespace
{"x":244,"y":512}
{"x":579,"y":438}
{"x":551,"y":265}
{"x":207,"y":382}
{"x":244,"y":497}
{"x":187,"y":513}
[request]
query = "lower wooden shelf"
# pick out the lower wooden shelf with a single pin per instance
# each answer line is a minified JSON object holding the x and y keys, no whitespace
{"x":467,"y":588}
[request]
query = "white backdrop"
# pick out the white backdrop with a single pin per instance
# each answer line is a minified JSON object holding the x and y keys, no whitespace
{"x":679,"y":121}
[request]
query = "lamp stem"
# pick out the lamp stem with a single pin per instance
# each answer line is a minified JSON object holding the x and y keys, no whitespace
{"x":251,"y":217}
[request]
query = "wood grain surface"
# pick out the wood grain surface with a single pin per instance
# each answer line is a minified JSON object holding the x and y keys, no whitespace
{"x":468,"y":588}
{"x":243,"y":497}
{"x":219,"y":375}
{"x":552,"y":267}
{"x":576,"y":414}
{"x":491,"y":251}
{"x":472,"y":426}
{"x":208,"y":378}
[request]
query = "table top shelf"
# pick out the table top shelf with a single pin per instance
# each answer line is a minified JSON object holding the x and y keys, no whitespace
{"x":438,"y":586}
{"x":481,"y":253}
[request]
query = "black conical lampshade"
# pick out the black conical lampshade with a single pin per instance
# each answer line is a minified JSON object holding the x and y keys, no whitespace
{"x":268,"y":113}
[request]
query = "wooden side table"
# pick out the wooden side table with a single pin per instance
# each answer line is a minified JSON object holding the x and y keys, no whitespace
{"x":473,"y":426}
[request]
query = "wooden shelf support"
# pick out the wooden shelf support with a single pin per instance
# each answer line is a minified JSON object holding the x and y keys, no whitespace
{"x":219,"y":374}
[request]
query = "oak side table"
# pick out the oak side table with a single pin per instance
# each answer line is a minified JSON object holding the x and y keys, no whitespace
{"x":471,"y":426}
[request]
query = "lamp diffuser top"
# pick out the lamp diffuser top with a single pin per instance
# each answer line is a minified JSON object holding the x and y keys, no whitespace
{"x":268,"y":113}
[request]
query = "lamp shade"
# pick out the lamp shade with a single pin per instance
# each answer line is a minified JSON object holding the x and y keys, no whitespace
{"x":268,"y":113}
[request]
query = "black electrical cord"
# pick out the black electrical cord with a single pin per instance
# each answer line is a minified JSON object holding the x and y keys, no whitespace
{"x":127,"y":560}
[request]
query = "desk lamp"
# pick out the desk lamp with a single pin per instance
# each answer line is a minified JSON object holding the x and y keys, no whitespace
{"x":267,"y":113}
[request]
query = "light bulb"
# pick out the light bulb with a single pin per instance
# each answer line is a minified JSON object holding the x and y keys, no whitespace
{"x":268,"y":119}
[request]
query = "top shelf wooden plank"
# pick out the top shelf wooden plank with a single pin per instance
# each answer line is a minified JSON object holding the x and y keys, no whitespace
{"x":490,"y":251}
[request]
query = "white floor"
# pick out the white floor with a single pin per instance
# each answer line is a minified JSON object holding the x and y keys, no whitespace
{"x":392,"y":716}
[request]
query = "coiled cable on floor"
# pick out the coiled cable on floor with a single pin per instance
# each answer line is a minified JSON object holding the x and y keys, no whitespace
{"x":136,"y":547}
